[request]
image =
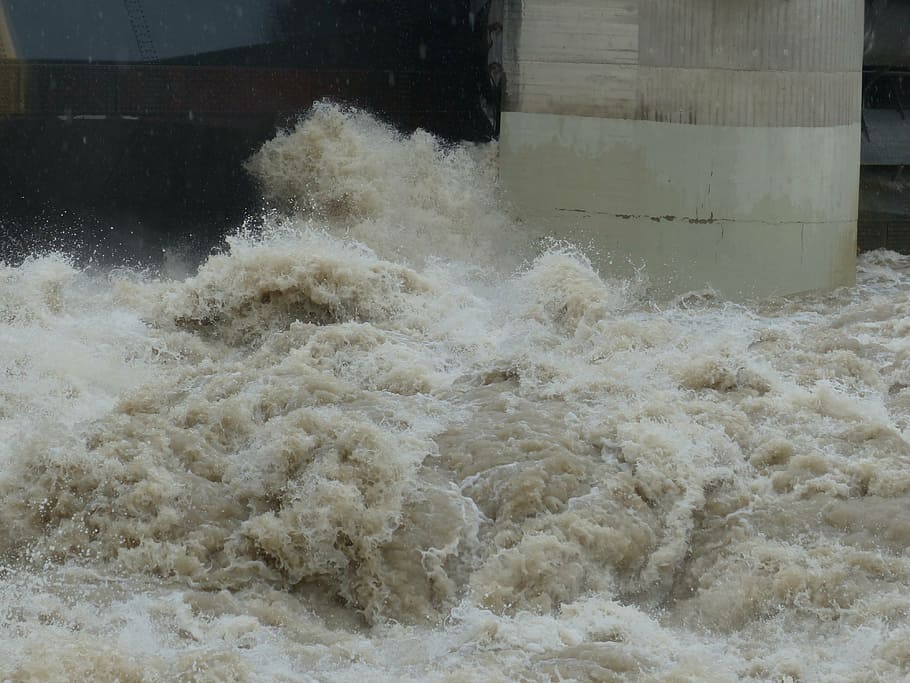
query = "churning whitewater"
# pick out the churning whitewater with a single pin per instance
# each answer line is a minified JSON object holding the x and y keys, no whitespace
{"x":374,"y":439}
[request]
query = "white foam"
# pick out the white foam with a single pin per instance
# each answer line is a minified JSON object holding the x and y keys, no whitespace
{"x":351,"y":448}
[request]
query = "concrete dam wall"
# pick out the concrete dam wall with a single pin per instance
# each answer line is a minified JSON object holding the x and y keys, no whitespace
{"x":717,"y":142}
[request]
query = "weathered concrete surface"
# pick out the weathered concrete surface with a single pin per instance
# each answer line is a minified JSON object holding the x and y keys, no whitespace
{"x":12,"y":87}
{"x":7,"y":48}
{"x":716,"y":141}
{"x":699,"y":205}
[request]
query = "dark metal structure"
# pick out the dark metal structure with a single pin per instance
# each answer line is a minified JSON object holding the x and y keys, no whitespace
{"x":884,"y":209}
{"x":144,"y":40}
{"x":125,"y":123}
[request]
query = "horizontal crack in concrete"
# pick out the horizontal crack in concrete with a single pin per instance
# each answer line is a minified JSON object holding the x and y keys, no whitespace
{"x":694,"y":221}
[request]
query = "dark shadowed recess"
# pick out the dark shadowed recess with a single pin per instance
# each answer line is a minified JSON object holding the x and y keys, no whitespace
{"x":124,"y":124}
{"x":884,"y":203}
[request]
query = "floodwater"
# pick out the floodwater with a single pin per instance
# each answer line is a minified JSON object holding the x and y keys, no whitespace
{"x":376,"y":441}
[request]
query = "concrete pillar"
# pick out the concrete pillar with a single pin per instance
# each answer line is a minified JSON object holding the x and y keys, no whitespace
{"x":715,"y":141}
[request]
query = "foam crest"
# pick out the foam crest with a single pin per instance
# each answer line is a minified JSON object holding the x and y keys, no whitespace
{"x":408,"y":197}
{"x":261,"y":286}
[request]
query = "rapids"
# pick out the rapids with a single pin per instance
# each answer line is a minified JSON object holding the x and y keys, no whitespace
{"x":378,"y":438}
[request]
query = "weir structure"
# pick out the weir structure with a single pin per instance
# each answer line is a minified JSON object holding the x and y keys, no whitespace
{"x":125,"y":124}
{"x":715,"y":142}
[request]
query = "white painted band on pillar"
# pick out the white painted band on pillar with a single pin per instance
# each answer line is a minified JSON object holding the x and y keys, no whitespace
{"x":683,"y":201}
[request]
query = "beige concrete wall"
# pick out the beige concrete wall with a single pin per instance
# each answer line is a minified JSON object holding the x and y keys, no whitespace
{"x":7,"y":48}
{"x":717,"y":141}
{"x":12,"y":82}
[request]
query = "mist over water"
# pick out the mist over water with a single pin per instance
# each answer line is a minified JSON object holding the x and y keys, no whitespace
{"x":380,"y":439}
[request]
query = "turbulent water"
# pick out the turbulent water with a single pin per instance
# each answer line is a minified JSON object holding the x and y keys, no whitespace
{"x":376,"y":440}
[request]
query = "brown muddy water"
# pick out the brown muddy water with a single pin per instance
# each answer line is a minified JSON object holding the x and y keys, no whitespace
{"x":376,"y":441}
